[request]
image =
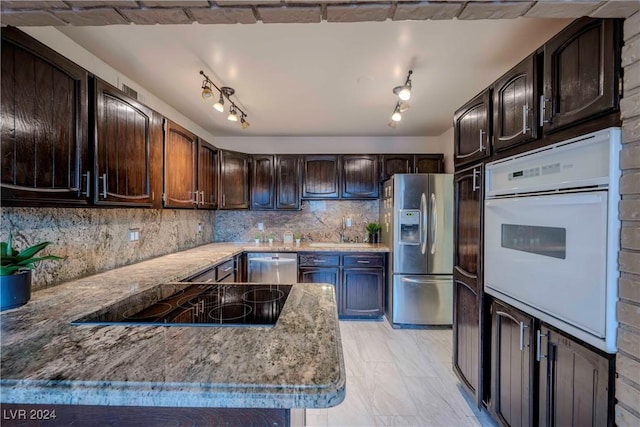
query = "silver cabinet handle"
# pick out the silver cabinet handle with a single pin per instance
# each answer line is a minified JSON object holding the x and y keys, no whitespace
{"x":522,"y":328}
{"x":87,"y":188}
{"x":539,"y":355}
{"x":228,"y":269}
{"x":525,"y":117}
{"x":543,"y":109}
{"x":363,"y":262}
{"x":476,"y":173}
{"x":319,"y":261}
{"x":104,"y":185}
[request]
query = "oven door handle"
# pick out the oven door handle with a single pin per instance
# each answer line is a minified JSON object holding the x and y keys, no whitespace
{"x":552,"y":200}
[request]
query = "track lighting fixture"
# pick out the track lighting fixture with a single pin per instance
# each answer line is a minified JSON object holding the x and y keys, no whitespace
{"x":233,"y":114}
{"x":404,"y":93}
{"x":224,"y":92}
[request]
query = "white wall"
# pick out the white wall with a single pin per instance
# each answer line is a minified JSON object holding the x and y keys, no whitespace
{"x":76,"y":53}
{"x":347,"y":144}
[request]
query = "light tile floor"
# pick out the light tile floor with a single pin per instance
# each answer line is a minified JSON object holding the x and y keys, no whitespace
{"x":398,"y":377}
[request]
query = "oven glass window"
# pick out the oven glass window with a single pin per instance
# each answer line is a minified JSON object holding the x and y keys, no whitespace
{"x":547,"y":241}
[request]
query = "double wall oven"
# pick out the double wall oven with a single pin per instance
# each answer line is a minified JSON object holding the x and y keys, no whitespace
{"x":552,"y":234}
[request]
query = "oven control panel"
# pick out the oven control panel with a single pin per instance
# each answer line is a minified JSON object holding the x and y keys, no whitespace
{"x":585,"y":161}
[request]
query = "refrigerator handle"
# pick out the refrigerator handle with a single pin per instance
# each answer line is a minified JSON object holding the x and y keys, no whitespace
{"x":423,"y":224}
{"x":434,"y":222}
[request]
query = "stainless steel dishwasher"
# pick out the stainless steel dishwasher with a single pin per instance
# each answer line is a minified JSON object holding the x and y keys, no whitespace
{"x":272,"y":267}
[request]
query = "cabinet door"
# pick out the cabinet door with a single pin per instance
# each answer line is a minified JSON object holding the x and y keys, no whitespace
{"x":512,"y":364}
{"x":581,"y":73}
{"x":574,"y":383}
{"x":207,"y":185}
{"x":515,"y":119}
{"x":180,"y":153}
{"x":319,"y":275}
{"x":43,"y":126}
{"x":429,"y":163}
{"x":468,"y":222}
{"x":122,"y":148}
{"x":234,"y":180}
{"x":396,"y":163}
{"x":362,"y":292}
{"x":321,"y":177}
{"x":288,"y":182}
{"x":466,"y":336}
{"x":360,"y":178}
{"x":263,"y":188}
{"x":471,"y":125}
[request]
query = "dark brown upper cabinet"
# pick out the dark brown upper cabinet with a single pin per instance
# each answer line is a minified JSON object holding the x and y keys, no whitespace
{"x":180,"y":162}
{"x":44,"y":140}
{"x":263,"y":182}
{"x":207,"y":185}
{"x":429,"y":163}
{"x":581,"y":73}
{"x":321,"y":176}
{"x":410,"y":163}
{"x":122,"y":144}
{"x":360,"y":177}
{"x":472,"y":133}
{"x":234,"y":180}
{"x":288,"y":182}
{"x":515,"y":116}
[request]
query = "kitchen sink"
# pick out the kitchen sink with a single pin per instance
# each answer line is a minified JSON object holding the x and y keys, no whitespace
{"x":339,"y":245}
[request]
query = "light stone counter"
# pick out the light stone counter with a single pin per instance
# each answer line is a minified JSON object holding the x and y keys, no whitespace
{"x":297,"y":363}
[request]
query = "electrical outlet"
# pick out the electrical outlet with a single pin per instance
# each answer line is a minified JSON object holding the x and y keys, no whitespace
{"x":261,"y":226}
{"x":199,"y":228}
{"x":133,"y":234}
{"x":347,"y":222}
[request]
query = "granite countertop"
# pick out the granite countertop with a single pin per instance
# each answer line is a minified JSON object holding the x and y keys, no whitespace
{"x":295,"y":364}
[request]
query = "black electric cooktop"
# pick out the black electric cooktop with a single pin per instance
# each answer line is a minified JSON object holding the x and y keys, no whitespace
{"x":207,"y":305}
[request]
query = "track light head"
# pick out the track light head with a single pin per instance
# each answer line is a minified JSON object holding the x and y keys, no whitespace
{"x":206,"y":90}
{"x":219,"y":106}
{"x":396,"y":116}
{"x":233,"y":115}
{"x":245,"y":124}
{"x":392,"y":124}
{"x":403,"y":106}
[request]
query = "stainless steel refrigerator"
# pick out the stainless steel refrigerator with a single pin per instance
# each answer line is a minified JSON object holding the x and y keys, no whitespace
{"x":416,"y":214}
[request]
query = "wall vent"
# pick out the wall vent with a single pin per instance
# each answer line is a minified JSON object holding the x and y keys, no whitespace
{"x":129,"y":91}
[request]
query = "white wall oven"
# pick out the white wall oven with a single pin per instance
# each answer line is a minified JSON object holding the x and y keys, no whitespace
{"x":552,"y":234}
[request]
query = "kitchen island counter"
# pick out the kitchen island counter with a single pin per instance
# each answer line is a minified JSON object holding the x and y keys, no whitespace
{"x":297,"y":363}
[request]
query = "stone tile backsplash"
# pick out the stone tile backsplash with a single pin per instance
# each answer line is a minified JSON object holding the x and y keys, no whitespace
{"x":95,"y":239}
{"x":318,"y":220}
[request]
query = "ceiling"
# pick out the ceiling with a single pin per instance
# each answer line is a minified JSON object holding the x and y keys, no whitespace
{"x":319,"y":79}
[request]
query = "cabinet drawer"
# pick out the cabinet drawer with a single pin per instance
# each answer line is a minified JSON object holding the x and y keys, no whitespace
{"x":206,"y":276}
{"x":319,"y":260}
{"x":364,"y":260}
{"x":224,"y":269}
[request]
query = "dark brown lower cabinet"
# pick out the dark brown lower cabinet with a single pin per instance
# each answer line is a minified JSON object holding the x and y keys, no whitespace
{"x":124,"y":416}
{"x":466,"y":336}
{"x":512,"y":366}
{"x":576,"y":383}
{"x":543,"y":377}
{"x":359,"y":279}
{"x":362,"y":292}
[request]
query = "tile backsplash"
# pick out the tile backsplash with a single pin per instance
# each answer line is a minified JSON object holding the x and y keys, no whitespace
{"x":318,"y":220}
{"x":95,"y":239}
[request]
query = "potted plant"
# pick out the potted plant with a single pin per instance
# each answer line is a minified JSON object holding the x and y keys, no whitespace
{"x":256,"y":239}
{"x":15,"y":272}
{"x":373,"y":228}
{"x":298,"y":237}
{"x":270,"y":237}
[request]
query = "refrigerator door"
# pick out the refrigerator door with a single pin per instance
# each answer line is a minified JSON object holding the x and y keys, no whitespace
{"x":410,"y":211}
{"x":422,"y":300}
{"x":439,"y":226}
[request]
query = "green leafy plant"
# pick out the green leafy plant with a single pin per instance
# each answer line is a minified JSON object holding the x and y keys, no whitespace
{"x":373,"y":227}
{"x":297,"y":236}
{"x":13,"y":262}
